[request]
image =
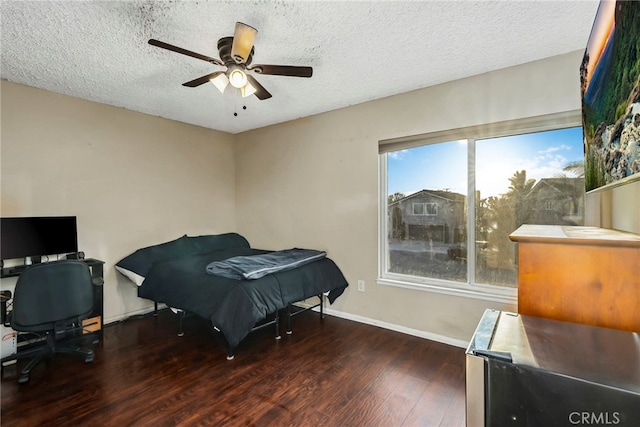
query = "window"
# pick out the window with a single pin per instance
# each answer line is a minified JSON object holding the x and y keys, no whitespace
{"x":451,"y":199}
{"x":425,"y":209}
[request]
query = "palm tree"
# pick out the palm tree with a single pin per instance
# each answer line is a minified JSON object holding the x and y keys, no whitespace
{"x":576,"y":168}
{"x":503,"y":215}
{"x":520,"y":185}
{"x":518,"y":190}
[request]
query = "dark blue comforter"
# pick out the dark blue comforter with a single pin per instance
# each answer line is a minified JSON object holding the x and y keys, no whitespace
{"x":235,"y":306}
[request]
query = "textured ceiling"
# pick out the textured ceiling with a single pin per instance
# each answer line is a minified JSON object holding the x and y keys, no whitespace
{"x":359,"y":50}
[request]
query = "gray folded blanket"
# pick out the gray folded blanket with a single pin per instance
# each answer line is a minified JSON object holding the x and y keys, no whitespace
{"x":257,"y":266}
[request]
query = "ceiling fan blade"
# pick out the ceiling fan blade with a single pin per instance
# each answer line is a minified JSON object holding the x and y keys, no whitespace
{"x":282,"y":70}
{"x":261,"y":92}
{"x":202,"y":80}
{"x":171,"y":47}
{"x":243,"y":39}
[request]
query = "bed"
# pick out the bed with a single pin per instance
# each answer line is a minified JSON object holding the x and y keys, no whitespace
{"x":179,"y":274}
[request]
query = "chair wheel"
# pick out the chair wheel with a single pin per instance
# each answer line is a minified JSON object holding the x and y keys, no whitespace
{"x":23,"y":379}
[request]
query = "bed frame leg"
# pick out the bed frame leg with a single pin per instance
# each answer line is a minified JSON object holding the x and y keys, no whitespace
{"x":289,"y":331}
{"x":321,"y":306}
{"x":220,"y":339}
{"x":180,"y":319}
{"x":155,"y":308}
{"x":277,"y":323}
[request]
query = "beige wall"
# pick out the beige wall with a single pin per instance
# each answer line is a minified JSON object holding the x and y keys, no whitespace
{"x":131,"y":179}
{"x":313,"y":182}
{"x":615,"y":206}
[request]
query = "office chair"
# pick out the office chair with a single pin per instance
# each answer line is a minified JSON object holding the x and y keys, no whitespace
{"x":52,"y":299}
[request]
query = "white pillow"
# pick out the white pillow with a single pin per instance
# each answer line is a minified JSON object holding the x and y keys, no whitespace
{"x":134,"y":277}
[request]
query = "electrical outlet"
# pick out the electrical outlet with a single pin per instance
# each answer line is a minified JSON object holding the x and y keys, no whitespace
{"x":361,"y":285}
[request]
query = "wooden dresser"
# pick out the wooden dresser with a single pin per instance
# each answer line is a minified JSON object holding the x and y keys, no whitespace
{"x":583,"y":275}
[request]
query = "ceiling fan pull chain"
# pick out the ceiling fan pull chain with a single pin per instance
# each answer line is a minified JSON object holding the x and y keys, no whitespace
{"x":235,"y":106}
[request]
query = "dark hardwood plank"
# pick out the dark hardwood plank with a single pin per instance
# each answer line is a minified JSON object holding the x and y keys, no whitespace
{"x":329,"y":372}
{"x":434,"y":402}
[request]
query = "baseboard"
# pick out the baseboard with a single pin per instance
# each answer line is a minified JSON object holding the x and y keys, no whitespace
{"x":140,"y":312}
{"x":402,"y":329}
{"x":356,"y":318}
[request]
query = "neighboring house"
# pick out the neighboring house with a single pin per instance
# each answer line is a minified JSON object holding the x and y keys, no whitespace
{"x":433,"y":215}
{"x":555,"y":201}
{"x":440,"y":216}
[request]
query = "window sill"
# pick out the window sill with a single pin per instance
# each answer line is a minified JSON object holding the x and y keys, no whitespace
{"x":498,"y":294}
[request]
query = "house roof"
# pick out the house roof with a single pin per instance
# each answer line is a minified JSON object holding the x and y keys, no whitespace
{"x":359,"y":50}
{"x":442,"y":194}
{"x":564,"y":186}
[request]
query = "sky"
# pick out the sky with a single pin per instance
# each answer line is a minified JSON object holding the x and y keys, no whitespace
{"x":443,"y":166}
{"x":602,"y":27}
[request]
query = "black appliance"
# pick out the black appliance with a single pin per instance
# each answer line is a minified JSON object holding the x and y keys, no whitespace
{"x":530,"y":371}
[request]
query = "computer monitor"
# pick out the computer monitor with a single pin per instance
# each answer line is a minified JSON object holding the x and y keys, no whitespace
{"x":22,"y":237}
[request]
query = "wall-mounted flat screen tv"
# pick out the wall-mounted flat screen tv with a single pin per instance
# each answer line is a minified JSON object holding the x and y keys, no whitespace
{"x":22,"y":237}
{"x":610,"y":86}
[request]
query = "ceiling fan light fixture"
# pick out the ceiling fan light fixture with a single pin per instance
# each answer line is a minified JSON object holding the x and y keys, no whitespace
{"x":243,"y":39}
{"x":247,"y":90}
{"x":221,"y":81}
{"x":236,"y":54}
{"x":237,"y":77}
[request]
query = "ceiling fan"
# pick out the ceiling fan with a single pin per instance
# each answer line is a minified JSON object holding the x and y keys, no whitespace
{"x":236,"y":54}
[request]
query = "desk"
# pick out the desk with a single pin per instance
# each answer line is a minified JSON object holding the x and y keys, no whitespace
{"x":96,"y":318}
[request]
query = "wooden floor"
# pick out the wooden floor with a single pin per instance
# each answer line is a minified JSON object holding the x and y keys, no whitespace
{"x":332,"y":372}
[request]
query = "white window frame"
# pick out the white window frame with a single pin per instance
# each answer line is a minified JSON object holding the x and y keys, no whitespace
{"x":470,"y":289}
